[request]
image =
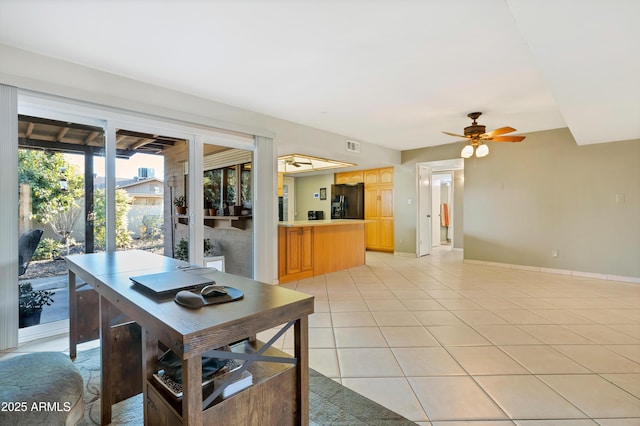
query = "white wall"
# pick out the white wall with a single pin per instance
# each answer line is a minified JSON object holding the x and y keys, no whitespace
{"x":306,"y":187}
{"x":42,"y":74}
{"x":47,"y":75}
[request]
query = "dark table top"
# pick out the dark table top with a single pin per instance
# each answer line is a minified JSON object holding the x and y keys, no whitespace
{"x":188,"y":331}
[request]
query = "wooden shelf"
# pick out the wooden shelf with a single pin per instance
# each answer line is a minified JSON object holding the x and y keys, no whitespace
{"x":238,"y":222}
{"x":273,"y":386}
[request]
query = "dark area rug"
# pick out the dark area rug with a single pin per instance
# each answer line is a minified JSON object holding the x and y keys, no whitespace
{"x":329,"y":402}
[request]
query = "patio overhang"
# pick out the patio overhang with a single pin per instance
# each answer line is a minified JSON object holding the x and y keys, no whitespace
{"x":60,"y":136}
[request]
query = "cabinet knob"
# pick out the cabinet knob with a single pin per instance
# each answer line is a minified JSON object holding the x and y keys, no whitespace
{"x":151,"y":404}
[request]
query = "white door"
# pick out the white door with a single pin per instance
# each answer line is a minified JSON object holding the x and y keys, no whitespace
{"x":424,"y":210}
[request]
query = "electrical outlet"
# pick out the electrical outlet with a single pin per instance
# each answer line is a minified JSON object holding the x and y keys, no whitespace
{"x":555,"y":253}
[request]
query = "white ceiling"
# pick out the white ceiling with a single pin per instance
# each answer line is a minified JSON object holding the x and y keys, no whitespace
{"x":391,"y":72}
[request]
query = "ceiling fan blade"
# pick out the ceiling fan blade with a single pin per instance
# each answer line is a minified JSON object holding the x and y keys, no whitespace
{"x":453,"y":134}
{"x":500,"y":131}
{"x":507,"y":139}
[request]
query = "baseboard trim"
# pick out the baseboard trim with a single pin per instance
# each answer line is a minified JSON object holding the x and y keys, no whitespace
{"x":43,"y":330}
{"x":404,"y":254}
{"x":580,"y":274}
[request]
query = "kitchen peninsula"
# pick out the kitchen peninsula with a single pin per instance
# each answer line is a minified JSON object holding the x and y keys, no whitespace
{"x":315,"y":247}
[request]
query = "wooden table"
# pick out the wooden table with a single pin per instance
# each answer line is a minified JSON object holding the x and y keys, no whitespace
{"x":190,"y":333}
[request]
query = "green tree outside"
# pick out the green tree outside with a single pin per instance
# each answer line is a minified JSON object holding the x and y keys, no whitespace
{"x":123,"y":204}
{"x":60,"y":209}
{"x":42,"y":171}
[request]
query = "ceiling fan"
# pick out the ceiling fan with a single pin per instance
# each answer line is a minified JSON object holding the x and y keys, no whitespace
{"x":293,"y":162}
{"x":477,"y":134}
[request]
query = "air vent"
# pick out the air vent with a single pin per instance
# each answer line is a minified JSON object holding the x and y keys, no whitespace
{"x":353,"y":146}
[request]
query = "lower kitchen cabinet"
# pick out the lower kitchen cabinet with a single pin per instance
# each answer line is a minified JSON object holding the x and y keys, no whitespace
{"x":295,"y":252}
{"x":319,"y":247}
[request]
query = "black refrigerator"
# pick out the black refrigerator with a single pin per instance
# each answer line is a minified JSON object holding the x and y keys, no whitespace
{"x":347,"y":201}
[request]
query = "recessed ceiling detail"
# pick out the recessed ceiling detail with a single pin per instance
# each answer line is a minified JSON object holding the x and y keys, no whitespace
{"x":297,"y":163}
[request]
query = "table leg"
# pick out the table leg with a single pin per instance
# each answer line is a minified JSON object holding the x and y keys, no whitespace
{"x":149,"y":365}
{"x":73,"y":317}
{"x":192,"y":391}
{"x":301,"y":339}
{"x":106,"y":388}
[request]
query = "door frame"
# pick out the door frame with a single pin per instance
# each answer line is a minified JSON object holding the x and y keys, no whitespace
{"x":423,"y":189}
{"x":290,"y":183}
{"x":436,"y":217}
{"x":423,"y":210}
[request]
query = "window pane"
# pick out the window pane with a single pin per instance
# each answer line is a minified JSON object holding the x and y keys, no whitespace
{"x":140,"y":198}
{"x":230,"y":192}
{"x":57,"y":201}
{"x":245,"y":185}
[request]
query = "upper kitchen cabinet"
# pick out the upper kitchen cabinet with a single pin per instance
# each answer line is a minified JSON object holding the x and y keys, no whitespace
{"x":280,"y":184}
{"x":349,"y":177}
{"x":378,"y":176}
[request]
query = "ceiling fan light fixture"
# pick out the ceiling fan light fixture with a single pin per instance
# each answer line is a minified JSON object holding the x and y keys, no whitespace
{"x":467,"y":151}
{"x":477,"y":135}
{"x":482,"y":151}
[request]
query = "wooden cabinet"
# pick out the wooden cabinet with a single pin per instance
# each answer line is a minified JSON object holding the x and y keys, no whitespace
{"x":280,"y":184}
{"x":378,"y":208}
{"x":299,"y":249}
{"x":295,"y":252}
{"x":370,"y":177}
{"x":349,"y":177}
{"x":378,"y":176}
{"x":307,"y":250}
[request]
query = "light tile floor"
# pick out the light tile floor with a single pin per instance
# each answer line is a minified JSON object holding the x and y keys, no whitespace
{"x":446,"y":343}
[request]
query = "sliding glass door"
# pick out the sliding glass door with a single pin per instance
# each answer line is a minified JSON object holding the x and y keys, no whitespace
{"x":58,"y":164}
{"x":227,"y":209}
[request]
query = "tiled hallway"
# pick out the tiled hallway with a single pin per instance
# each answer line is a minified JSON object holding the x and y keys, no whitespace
{"x":443,"y":342}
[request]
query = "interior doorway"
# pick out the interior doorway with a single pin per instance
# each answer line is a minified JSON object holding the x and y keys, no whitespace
{"x":435,"y":208}
{"x":442,"y":204}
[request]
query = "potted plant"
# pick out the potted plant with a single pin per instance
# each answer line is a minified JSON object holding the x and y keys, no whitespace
{"x":181,"y":204}
{"x":31,"y":303}
{"x":181,"y":251}
{"x":209,"y":198}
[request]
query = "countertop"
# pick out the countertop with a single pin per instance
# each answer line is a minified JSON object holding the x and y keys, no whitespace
{"x":330,"y":222}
